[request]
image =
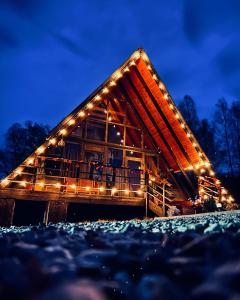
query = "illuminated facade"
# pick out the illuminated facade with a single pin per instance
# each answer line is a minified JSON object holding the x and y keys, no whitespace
{"x":127,"y":144}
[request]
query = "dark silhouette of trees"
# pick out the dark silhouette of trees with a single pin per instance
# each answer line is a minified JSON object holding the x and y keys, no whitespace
{"x":20,"y":142}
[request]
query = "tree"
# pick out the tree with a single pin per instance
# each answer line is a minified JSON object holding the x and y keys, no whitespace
{"x":206,"y":138}
{"x":235,"y":122}
{"x":187,"y":107}
{"x":223,"y":129}
{"x":20,"y":142}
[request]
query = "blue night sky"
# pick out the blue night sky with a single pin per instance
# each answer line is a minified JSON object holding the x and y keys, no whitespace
{"x":55,"y":52}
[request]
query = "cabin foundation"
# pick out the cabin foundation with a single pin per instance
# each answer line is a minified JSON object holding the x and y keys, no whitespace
{"x":6,"y":211}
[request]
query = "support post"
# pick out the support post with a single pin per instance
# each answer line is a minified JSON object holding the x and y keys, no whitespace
{"x":6,"y":212}
{"x":56,"y":211}
{"x":164,"y":201}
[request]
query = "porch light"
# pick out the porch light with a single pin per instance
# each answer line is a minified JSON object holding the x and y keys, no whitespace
{"x":81,"y":113}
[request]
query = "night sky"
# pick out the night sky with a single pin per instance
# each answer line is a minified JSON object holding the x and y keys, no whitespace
{"x":53,"y":53}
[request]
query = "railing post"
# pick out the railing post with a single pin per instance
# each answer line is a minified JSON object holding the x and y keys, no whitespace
{"x":164,"y":201}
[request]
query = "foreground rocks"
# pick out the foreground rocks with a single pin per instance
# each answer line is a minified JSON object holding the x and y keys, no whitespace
{"x":183,"y":258}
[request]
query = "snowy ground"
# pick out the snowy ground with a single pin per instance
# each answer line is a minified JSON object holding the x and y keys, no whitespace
{"x":193,"y":257}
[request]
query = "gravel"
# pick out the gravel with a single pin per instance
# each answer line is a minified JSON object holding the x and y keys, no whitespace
{"x":194,"y":257}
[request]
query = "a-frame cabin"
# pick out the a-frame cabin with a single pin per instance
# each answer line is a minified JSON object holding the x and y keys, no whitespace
{"x":126,"y":144}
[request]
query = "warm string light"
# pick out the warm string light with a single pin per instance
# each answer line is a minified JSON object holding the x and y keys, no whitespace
{"x":63,"y":131}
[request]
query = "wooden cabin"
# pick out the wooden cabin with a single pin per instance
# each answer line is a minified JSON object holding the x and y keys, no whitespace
{"x":126,"y":144}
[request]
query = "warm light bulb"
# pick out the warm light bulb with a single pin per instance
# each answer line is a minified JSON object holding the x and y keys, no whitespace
{"x":23,"y":183}
{"x":114,"y":190}
{"x":90,"y":105}
{"x":118,"y":133}
{"x":126,"y":192}
{"x":57,"y":185}
{"x":81,"y":113}
{"x":87,"y":188}
{"x":98,"y":97}
{"x":112,"y":83}
{"x":71,"y":122}
{"x":30,"y":161}
{"x":188,"y":134}
{"x":63,"y":131}
{"x":182,"y":125}
{"x":165,"y":96}
{"x":139,"y":192}
{"x":154,"y":76}
{"x":126,"y":69}
{"x":212,"y":173}
{"x":171,"y":106}
{"x":132,"y":63}
{"x":40,"y":150}
{"x":149,"y":67}
{"x":101,"y":189}
{"x":177,"y":116}
{"x":105,"y":90}
{"x":73,"y":186}
{"x":18,"y":171}
{"x":161,"y":86}
{"x":53,"y":141}
{"x":41,"y":184}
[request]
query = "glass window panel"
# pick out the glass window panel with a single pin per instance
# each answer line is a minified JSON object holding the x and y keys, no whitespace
{"x":96,"y":130}
{"x":133,"y":137}
{"x":115,"y":134}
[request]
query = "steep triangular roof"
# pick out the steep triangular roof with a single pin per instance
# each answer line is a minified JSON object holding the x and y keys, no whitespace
{"x":140,"y":84}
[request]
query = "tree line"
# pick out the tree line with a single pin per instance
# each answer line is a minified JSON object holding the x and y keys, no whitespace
{"x":219,"y":137}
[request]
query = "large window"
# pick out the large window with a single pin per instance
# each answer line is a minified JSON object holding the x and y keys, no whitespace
{"x":133,"y":137}
{"x":96,"y":130}
{"x":115,"y":134}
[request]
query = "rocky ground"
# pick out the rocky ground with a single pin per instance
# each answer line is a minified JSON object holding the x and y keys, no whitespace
{"x":182,"y":258}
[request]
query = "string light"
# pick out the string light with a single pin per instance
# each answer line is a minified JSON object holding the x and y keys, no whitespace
{"x":182,"y":125}
{"x":101,"y":189}
{"x":41,"y":184}
{"x":212,"y":173}
{"x":88,"y":188}
{"x":161,"y":86}
{"x":105,"y":90}
{"x":23,"y":183}
{"x":98,"y":97}
{"x":177,"y":116}
{"x":118,"y":133}
{"x":57,"y":185}
{"x":189,"y":134}
{"x":63,"y":131}
{"x":171,"y":106}
{"x":132,"y":63}
{"x":40,"y":150}
{"x":114,"y":190}
{"x":112,"y":83}
{"x":18,"y":171}
{"x":154,"y":76}
{"x":52,"y":141}
{"x":126,"y":69}
{"x":149,"y":67}
{"x":71,"y":122}
{"x":5,"y":182}
{"x":30,"y":161}
{"x":118,"y":74}
{"x":81,"y":113}
{"x":139,"y":192}
{"x":90,"y":105}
